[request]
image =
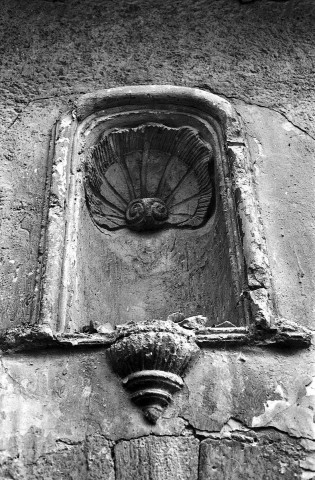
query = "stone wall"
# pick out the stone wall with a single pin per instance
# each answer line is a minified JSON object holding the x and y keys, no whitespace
{"x":244,"y":412}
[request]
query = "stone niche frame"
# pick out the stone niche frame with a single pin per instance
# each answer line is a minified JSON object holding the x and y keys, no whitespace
{"x":247,"y":245}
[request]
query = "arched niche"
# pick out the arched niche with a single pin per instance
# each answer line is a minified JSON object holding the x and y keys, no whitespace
{"x":151,"y":210}
{"x":160,"y":142}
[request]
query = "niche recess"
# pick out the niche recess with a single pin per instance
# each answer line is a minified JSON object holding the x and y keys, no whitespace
{"x":152,"y":210}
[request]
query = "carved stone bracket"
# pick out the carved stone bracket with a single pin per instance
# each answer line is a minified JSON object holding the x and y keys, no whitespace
{"x":152,"y":358}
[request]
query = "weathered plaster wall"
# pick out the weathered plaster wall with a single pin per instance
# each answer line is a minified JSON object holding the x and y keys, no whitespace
{"x":64,"y":414}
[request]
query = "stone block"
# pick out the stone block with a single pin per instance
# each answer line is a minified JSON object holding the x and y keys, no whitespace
{"x":156,"y":458}
{"x":234,"y":460}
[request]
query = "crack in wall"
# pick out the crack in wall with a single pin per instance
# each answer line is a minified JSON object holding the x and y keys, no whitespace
{"x":39,"y":99}
{"x":21,"y":388}
{"x":86,"y":450}
{"x":259,"y":105}
{"x":237,"y":430}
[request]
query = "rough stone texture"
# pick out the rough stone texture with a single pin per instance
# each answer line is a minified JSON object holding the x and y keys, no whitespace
{"x":54,"y":50}
{"x":154,"y":458}
{"x":90,"y":460}
{"x":267,"y":458}
{"x":100,"y":464}
{"x":78,"y":45}
{"x":261,"y":56}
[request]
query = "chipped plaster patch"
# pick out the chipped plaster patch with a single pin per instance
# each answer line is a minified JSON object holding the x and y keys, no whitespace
{"x":66,"y":122}
{"x":308,"y":463}
{"x":310,"y":388}
{"x":292,"y":414}
{"x":289,"y":127}
{"x":308,"y":476}
{"x":259,"y":147}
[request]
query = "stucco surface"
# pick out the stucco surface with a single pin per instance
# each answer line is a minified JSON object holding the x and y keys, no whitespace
{"x":57,"y":399}
{"x":262,"y":54}
{"x":283,"y":165}
{"x":63,"y":411}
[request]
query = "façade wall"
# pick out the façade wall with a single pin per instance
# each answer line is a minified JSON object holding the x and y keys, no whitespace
{"x":244,"y":411}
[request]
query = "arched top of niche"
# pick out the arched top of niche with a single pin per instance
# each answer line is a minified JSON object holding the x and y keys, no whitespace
{"x":218,"y":125}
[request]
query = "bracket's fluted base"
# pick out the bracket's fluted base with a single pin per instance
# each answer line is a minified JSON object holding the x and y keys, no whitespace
{"x":152,"y":391}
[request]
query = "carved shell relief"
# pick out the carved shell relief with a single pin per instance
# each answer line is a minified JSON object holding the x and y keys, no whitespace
{"x":149,"y":177}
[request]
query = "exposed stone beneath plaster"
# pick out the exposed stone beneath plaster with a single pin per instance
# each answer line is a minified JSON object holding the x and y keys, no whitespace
{"x":43,"y":73}
{"x":260,"y":53}
{"x":265,"y":457}
{"x":236,"y":452}
{"x":246,"y":386}
{"x":154,"y":458}
{"x":90,"y":460}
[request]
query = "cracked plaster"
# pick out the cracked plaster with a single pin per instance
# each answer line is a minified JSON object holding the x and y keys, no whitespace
{"x":53,"y":402}
{"x":41,"y":78}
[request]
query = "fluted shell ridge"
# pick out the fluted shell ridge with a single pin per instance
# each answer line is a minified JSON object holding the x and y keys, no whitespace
{"x":149,"y":177}
{"x":152,"y":351}
{"x":152,"y":357}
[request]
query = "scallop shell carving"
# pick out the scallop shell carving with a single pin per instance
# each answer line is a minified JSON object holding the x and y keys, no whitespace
{"x":149,"y":177}
{"x":170,"y":352}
